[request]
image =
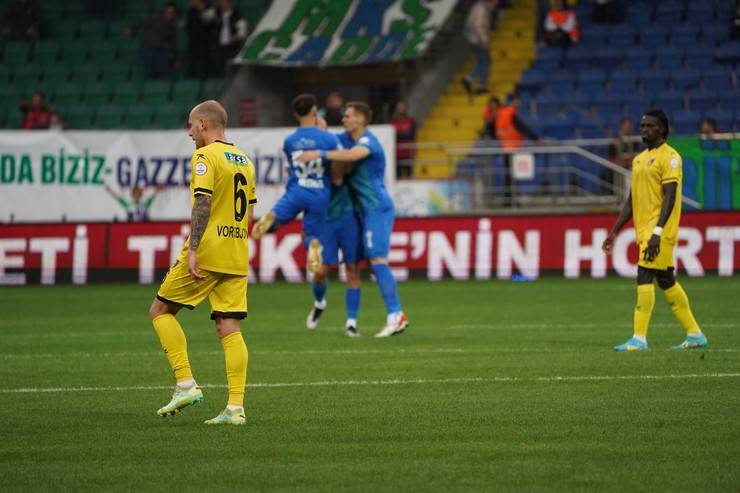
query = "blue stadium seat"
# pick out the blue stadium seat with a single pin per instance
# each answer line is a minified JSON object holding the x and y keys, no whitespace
{"x":685,"y":79}
{"x":623,"y":81}
{"x":655,"y":36}
{"x":668,"y":12}
{"x":654,"y":82}
{"x":607,"y":105}
{"x":533,"y":79}
{"x":700,"y":12}
{"x":699,"y":57}
{"x":729,"y":51}
{"x":548,"y":104}
{"x":704,"y":101}
{"x":622,"y":35}
{"x":718,"y":80}
{"x":638,"y":60}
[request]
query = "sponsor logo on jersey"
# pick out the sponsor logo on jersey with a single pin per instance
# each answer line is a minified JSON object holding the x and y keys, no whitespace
{"x":201,"y":168}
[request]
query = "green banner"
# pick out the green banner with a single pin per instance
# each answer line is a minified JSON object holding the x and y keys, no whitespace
{"x":711,"y":171}
{"x":344,"y":32}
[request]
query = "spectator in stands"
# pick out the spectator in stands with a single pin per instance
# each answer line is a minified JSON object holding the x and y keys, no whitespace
{"x":477,"y":32}
{"x":606,"y":11}
{"x":489,"y":113}
{"x":199,"y":26}
{"x":707,"y":128}
{"x":158,"y":42}
{"x":624,"y":147}
{"x":36,"y":115}
{"x":511,"y":132}
{"x":22,"y":21}
{"x":561,"y":26}
{"x":57,"y":122}
{"x":231,"y":27}
{"x":333,"y":109}
{"x":405,"y":137}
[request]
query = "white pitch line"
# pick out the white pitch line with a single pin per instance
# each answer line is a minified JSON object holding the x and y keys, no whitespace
{"x":417,"y":381}
{"x":319,"y":352}
{"x":594,"y":325}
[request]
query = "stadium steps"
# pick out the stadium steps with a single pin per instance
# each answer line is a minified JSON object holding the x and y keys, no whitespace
{"x":457,"y":116}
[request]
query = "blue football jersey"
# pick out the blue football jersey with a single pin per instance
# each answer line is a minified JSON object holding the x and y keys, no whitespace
{"x":313,"y":174}
{"x":367,"y":179}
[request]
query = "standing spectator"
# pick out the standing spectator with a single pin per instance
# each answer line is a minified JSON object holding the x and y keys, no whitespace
{"x":624,"y":148}
{"x":201,"y":47}
{"x":707,"y":128}
{"x":511,"y":132}
{"x":333,"y":110}
{"x":137,"y":208}
{"x":158,"y":42}
{"x":489,"y":113}
{"x":477,"y":32}
{"x":22,"y":21}
{"x":561,"y":26}
{"x":56,"y":122}
{"x":36,"y":115}
{"x":232,"y":32}
{"x":405,"y":137}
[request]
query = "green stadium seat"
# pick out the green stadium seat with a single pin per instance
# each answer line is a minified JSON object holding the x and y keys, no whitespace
{"x":45,"y":53}
{"x":156,"y":92}
{"x":186,"y":91}
{"x":212,"y":88}
{"x":14,"y":118}
{"x":67,"y":93}
{"x":171,"y":115}
{"x":126,"y":93}
{"x":97,"y":93}
{"x":80,"y":116}
{"x":108,"y":121}
{"x":102,"y":53}
{"x":30,"y":73}
{"x":16,"y":53}
{"x":114,"y":73}
{"x":86,"y":73}
{"x":92,"y":30}
{"x":74,"y":53}
{"x":66,"y":30}
{"x":57,"y":73}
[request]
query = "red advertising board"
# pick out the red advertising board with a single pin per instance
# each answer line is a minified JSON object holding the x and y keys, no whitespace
{"x":471,"y":247}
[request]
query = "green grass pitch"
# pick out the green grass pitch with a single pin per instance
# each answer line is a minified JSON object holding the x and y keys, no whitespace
{"x":496,"y":386}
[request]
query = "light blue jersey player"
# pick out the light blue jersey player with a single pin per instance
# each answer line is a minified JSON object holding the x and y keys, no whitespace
{"x":342,"y":231}
{"x":366,"y":181}
{"x":308,"y":187}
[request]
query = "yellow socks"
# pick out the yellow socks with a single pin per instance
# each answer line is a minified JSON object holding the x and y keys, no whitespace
{"x":676,"y":297}
{"x":236,"y":355}
{"x":643,"y":308}
{"x":174,"y":344}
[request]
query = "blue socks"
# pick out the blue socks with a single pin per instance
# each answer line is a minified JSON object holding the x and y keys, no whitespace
{"x":319,"y":290}
{"x":388,"y":288}
{"x":352,"y":300}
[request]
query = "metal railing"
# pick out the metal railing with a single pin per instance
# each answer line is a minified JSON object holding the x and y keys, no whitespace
{"x":548,"y":176}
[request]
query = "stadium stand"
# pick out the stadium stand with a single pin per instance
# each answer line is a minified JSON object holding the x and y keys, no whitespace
{"x":674,"y":54}
{"x":456,"y":116}
{"x":92,"y":73}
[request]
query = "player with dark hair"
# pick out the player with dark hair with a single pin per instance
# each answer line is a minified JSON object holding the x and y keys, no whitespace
{"x":309,"y":182}
{"x":654,"y":204}
{"x":366,"y":181}
{"x":213,"y":263}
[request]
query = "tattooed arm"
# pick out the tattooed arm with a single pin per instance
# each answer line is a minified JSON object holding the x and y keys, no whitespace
{"x":198,"y":222}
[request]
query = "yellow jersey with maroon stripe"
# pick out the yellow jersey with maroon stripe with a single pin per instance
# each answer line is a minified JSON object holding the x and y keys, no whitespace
{"x":224,"y":173}
{"x":651,"y":169}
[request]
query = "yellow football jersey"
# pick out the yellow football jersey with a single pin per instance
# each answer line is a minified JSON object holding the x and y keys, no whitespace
{"x":651,"y":169}
{"x":227,"y":175}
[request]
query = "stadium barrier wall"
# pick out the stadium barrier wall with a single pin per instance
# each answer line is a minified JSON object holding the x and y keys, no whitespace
{"x":462,"y":248}
{"x":53,"y":176}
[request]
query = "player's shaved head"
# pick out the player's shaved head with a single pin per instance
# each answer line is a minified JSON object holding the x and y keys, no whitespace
{"x":211,"y":111}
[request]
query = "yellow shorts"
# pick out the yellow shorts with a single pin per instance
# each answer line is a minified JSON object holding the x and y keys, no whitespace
{"x":227,"y":293}
{"x":663,"y":261}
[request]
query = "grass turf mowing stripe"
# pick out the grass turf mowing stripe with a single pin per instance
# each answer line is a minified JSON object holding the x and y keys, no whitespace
{"x":332,"y":383}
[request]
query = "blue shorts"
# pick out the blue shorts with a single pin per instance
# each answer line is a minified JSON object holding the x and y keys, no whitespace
{"x":377,"y":227}
{"x":313,"y":204}
{"x":343,"y":233}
